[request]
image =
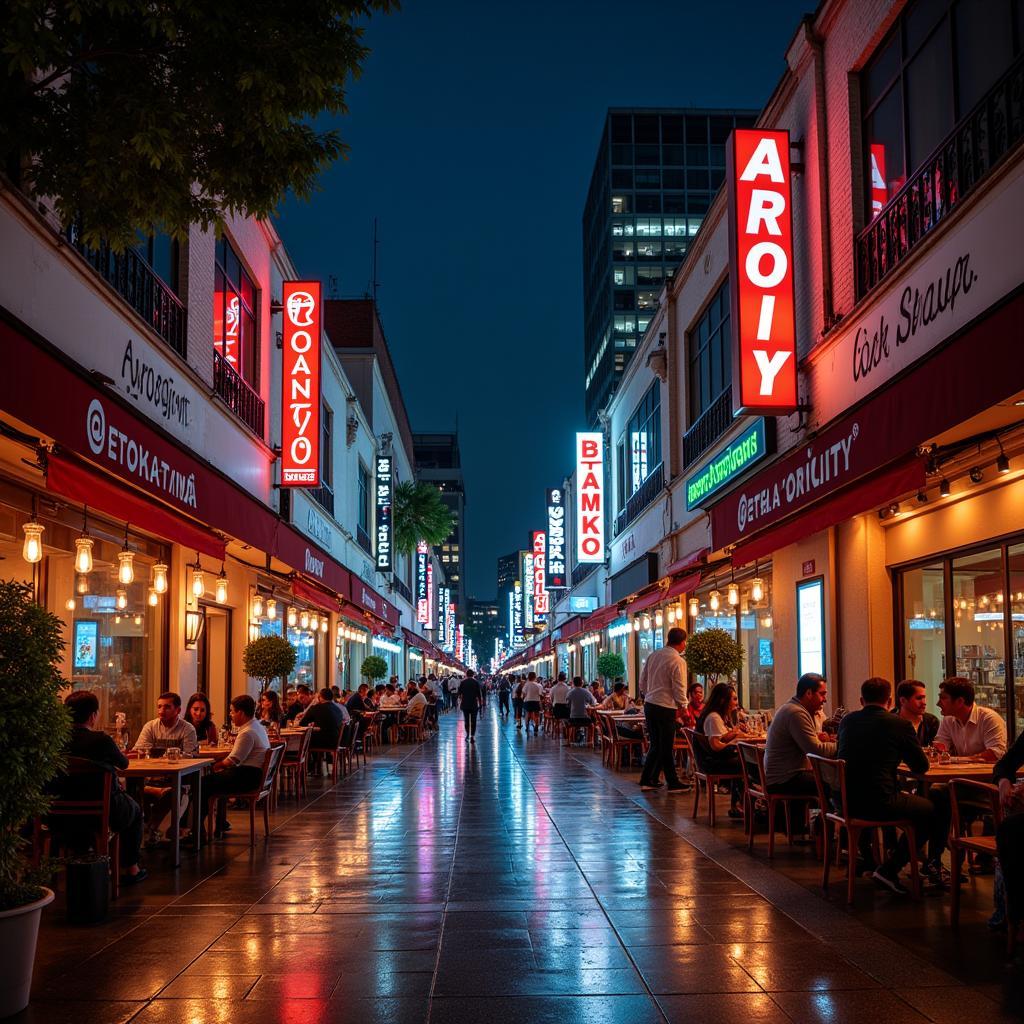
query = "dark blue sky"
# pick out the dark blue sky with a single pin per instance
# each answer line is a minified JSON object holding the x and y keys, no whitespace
{"x":473,"y":133}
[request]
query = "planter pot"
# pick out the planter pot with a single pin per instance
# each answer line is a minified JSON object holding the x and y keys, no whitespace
{"x":19,"y":929}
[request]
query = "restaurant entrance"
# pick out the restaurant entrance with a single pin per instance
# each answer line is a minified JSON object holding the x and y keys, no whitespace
{"x":213,"y":659}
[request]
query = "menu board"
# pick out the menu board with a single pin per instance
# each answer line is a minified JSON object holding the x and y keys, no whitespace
{"x":87,"y":639}
{"x":810,"y":626}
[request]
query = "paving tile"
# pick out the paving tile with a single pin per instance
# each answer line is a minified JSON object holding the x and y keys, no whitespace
{"x":629,"y":1009}
{"x":864,"y":1007}
{"x":748,"y":1007}
{"x":961,"y":1006}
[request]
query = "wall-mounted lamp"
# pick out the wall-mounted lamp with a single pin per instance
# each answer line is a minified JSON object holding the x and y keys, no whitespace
{"x":194,"y":622}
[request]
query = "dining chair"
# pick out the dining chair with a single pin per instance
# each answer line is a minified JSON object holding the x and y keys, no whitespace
{"x":296,"y":763}
{"x":704,"y":772}
{"x":755,"y":787}
{"x":260,"y":794}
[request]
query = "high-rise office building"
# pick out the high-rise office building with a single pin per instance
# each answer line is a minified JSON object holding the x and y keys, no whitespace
{"x":438,"y":462}
{"x":482,"y":625}
{"x":655,"y":175}
{"x":508,"y":573}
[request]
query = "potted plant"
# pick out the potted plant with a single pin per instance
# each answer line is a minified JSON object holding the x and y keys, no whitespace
{"x":374,"y":667}
{"x":712,"y":653}
{"x":35,"y":734}
{"x":610,"y":666}
{"x":269,"y":658}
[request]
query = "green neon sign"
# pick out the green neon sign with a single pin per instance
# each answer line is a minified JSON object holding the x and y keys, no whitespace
{"x":748,"y":448}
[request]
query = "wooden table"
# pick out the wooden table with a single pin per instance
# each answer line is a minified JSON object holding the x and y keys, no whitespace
{"x":143,"y":768}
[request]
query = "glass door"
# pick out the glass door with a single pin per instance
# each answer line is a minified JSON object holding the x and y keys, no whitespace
{"x":924,"y":628}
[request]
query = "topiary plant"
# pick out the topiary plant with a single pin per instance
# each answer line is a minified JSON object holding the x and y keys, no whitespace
{"x":34,"y":725}
{"x":374,"y":667}
{"x":712,"y":653}
{"x":610,"y":665}
{"x":268,"y":658}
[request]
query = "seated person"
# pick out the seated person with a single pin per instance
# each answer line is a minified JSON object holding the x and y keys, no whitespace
{"x":359,"y":703}
{"x":968,"y":729}
{"x":199,"y":715}
{"x":687,"y":715}
{"x":242,"y":770}
{"x":874,"y":743}
{"x":559,"y":694}
{"x":96,"y":746}
{"x":378,"y":693}
{"x":793,"y":734}
{"x":911,"y":701}
{"x":328,"y":717}
{"x":598,"y":690}
{"x":417,"y":703}
{"x":1010,"y":834}
{"x":270,"y":712}
{"x":303,"y":699}
{"x":717,"y":723}
{"x":579,"y":699}
{"x":619,"y":700}
{"x":390,"y":698}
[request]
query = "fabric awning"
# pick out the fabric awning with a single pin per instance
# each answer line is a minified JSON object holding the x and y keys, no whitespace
{"x":415,"y":640}
{"x":683,"y":585}
{"x":698,"y":557}
{"x":600,"y":618}
{"x":79,"y":483}
{"x":907,"y":476}
{"x":315,"y":596}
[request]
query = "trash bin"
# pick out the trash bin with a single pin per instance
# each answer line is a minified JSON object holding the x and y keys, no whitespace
{"x":88,"y":889}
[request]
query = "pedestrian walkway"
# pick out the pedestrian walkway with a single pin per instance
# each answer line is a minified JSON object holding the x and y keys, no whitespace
{"x":510,"y":880}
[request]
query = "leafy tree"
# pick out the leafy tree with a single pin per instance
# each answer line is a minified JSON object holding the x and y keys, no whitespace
{"x":374,"y":667}
{"x":268,"y":658}
{"x":712,"y":653}
{"x":157,"y":115}
{"x":419,"y":514}
{"x":610,"y":665}
{"x":34,"y":725}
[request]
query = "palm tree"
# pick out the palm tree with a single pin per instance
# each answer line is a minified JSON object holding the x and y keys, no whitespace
{"x":419,"y":514}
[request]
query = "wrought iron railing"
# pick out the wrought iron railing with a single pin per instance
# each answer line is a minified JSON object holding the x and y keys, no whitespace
{"x":237,"y":395}
{"x":323,"y":496}
{"x":981,"y":141}
{"x":712,"y":423}
{"x":582,"y":571}
{"x":641,"y":498}
{"x":139,"y":285}
{"x":363,"y":540}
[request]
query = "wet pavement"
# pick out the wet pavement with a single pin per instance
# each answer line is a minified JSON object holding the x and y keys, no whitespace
{"x":514,"y":879}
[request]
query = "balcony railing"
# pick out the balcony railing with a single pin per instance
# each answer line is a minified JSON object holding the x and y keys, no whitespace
{"x":641,"y":498}
{"x":582,"y":571}
{"x":323,"y":496}
{"x":139,"y":285}
{"x":981,"y":141}
{"x":237,"y":395}
{"x":712,"y":423}
{"x":401,"y":587}
{"x":363,"y":540}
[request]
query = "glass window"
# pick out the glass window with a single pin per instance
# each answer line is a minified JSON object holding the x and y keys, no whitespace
{"x":623,"y":249}
{"x":648,"y":227}
{"x":648,"y":249}
{"x":924,"y":628}
{"x":646,"y":300}
{"x":756,"y":634}
{"x":648,"y":203}
{"x":673,"y":179}
{"x":674,"y":202}
{"x":622,"y":204}
{"x":979,"y":634}
{"x":622,"y":228}
{"x":624,"y":324}
{"x":983,"y":49}
{"x":622,"y":177}
{"x":235,"y":299}
{"x":326,"y":453}
{"x":650,"y":275}
{"x":363,"y":498}
{"x":675,"y":226}
{"x":710,"y":358}
{"x":648,"y":155}
{"x":160,"y":251}
{"x":624,"y":275}
{"x":643,"y":436}
{"x":648,"y":179}
{"x":928,"y":87}
{"x":1016,"y":598}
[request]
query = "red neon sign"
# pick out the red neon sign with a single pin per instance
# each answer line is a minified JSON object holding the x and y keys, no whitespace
{"x":300,"y":392}
{"x":761,"y":256}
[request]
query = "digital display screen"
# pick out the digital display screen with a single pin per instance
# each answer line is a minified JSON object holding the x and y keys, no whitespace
{"x":87,"y":635}
{"x":810,"y":626}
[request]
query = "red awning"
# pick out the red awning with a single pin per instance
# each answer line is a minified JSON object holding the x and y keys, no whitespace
{"x":315,"y":596}
{"x":415,"y":640}
{"x":77,"y":482}
{"x":681,"y":586}
{"x":906,"y":476}
{"x":569,"y":628}
{"x":697,"y":557}
{"x":600,"y":618}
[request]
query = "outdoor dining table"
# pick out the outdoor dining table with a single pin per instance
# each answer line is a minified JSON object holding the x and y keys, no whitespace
{"x":161,"y":767}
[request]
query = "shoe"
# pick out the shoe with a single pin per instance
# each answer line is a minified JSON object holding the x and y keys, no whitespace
{"x":886,"y":881}
{"x":140,"y":876}
{"x":936,"y":873}
{"x":735,"y":812}
{"x":153,"y":839}
{"x":678,"y":789}
{"x":646,"y":787}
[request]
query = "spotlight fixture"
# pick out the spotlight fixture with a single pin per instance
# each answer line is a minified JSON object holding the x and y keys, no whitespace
{"x":976,"y":474}
{"x":889,"y":511}
{"x":1002,"y":462}
{"x":921,"y":497}
{"x":944,"y":487}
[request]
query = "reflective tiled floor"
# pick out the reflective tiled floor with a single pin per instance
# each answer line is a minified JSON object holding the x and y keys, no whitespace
{"x":513,"y":880}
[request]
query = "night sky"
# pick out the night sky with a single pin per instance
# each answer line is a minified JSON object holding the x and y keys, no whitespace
{"x":473,"y":132}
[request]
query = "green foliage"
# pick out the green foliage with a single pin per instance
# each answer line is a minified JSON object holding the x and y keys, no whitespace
{"x":419,"y":514}
{"x":34,"y":725}
{"x":374,"y":667}
{"x":712,"y":653}
{"x":269,"y":658}
{"x":610,"y":664}
{"x":143,"y":116}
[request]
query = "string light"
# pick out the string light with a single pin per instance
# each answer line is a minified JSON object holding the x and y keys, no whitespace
{"x":160,"y":578}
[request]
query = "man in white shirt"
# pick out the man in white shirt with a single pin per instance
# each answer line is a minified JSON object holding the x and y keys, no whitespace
{"x":242,"y":770}
{"x":967,"y":729}
{"x":663,"y":684}
{"x":560,"y":698}
{"x":417,"y":705}
{"x":532,"y":691}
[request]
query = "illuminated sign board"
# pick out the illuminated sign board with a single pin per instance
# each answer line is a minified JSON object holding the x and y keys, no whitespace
{"x":300,"y":384}
{"x":541,"y":603}
{"x":460,"y":642}
{"x":589,"y":497}
{"x":444,"y":599}
{"x":422,"y":602}
{"x":810,"y":626}
{"x":385,"y":495}
{"x":750,"y":447}
{"x":527,"y":580}
{"x":761,"y":283}
{"x":583,"y":605}
{"x":555,"y":568}
{"x":430,"y":594}
{"x":87,"y":641}
{"x":449,"y":625}
{"x":879,"y":189}
{"x":518,"y":640}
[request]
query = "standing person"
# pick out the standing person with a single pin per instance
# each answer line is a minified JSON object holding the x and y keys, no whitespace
{"x":663,"y":685}
{"x":911,"y":701}
{"x":517,"y":700}
{"x":504,"y":695}
{"x":532,"y":691}
{"x":469,"y":701}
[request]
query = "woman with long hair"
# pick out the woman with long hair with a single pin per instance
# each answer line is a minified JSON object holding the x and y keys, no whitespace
{"x":717,"y":723}
{"x":269,"y":711}
{"x":199,"y":715}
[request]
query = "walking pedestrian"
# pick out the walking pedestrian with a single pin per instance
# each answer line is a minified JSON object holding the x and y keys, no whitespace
{"x":517,"y":700}
{"x":504,"y":695}
{"x":469,"y":701}
{"x":663,"y":685}
{"x":532,"y":691}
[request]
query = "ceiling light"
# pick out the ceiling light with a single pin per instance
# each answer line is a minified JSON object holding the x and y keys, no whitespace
{"x":976,"y":474}
{"x":1002,"y":463}
{"x":83,"y":554}
{"x":125,"y":563}
{"x":944,"y":487}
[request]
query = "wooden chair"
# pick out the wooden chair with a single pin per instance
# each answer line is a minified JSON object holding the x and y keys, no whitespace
{"x":296,"y":763}
{"x":259,"y":795}
{"x":619,"y":744}
{"x":371,"y":733}
{"x":410,"y":727}
{"x":961,"y":842}
{"x":90,"y":813}
{"x":704,"y":772}
{"x":755,"y":787}
{"x":830,"y":778}
{"x":347,"y":746}
{"x":569,"y":731}
{"x":334,"y":752}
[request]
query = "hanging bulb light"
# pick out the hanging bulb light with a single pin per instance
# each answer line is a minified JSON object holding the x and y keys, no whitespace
{"x":324,"y":625}
{"x":83,"y":554}
{"x":70,"y":604}
{"x":117,"y":620}
{"x":767,"y":622}
{"x":658,"y":619}
{"x":198,"y":580}
{"x":757,"y":590}
{"x":732,"y":594}
{"x":257,"y":606}
{"x":271,"y":608}
{"x":82,"y":584}
{"x":32,"y":550}
{"x":694,"y":607}
{"x":646,"y":622}
{"x":138,"y":619}
{"x":314,"y":622}
{"x":636,"y":625}
{"x":160,"y":578}
{"x":153,"y":598}
{"x":304,"y":619}
{"x":714,"y":600}
{"x":122,"y":599}
{"x":293,"y":617}
{"x":125,"y":563}
{"x":221,"y":586}
{"x":672,"y":615}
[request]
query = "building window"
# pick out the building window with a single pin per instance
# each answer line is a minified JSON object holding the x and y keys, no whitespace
{"x":642,"y":440}
{"x":934,"y":66}
{"x":363,"y":498}
{"x":326,"y":453}
{"x":710,"y":358}
{"x":234,"y":315}
{"x":621,"y":204}
{"x":161,"y":253}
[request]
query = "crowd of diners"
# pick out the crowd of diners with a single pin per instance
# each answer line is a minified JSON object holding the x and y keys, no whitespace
{"x":144,"y":820}
{"x":886,"y":744}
